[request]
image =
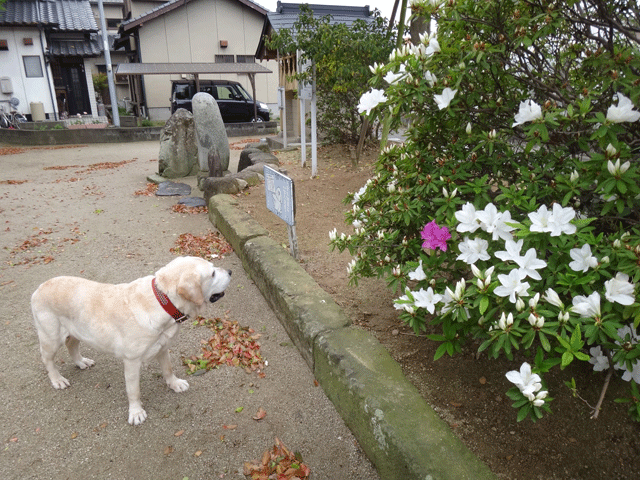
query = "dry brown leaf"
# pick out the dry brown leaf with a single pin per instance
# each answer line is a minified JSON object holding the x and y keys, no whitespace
{"x":178,"y":433}
{"x":260,"y":414}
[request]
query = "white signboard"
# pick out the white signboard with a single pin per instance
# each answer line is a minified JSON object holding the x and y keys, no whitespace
{"x":280,"y":195}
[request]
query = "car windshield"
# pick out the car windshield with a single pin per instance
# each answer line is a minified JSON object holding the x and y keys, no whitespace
{"x":244,"y":93}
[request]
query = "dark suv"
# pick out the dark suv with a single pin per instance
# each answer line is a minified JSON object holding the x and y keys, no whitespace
{"x":235,"y":104}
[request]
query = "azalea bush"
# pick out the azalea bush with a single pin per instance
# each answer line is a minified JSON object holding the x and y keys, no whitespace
{"x":509,"y":216}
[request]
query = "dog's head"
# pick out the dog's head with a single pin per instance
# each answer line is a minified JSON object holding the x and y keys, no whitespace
{"x":191,"y":282}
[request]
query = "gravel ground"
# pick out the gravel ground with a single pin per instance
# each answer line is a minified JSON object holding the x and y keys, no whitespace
{"x":66,"y":211}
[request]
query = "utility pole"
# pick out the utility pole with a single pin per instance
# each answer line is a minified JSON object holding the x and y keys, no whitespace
{"x":107,"y":59}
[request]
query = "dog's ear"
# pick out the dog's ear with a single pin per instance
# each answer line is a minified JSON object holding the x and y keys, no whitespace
{"x":190,"y":288}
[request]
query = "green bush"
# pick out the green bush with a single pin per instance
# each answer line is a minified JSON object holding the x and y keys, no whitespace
{"x":510,"y":214}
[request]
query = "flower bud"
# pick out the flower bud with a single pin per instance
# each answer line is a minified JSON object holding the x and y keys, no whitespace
{"x":611,"y":150}
{"x":520,"y":304}
{"x":574,"y":176}
{"x":468,"y":129}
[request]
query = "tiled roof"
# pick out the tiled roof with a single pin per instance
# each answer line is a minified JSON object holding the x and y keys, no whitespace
{"x":59,"y":15}
{"x":286,"y":14}
{"x":74,"y":48}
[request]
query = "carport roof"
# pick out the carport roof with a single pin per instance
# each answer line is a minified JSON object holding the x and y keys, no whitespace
{"x":189,"y":68}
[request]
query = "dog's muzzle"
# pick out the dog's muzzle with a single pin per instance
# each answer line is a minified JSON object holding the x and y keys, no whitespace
{"x":216,"y":296}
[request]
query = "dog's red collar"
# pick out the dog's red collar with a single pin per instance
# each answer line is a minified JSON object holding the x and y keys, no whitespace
{"x":169,"y":307}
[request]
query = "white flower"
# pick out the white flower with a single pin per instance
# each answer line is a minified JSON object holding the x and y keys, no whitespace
{"x":370,"y":100}
{"x":540,"y":219}
{"x":527,"y":382}
{"x":538,"y":401}
{"x":405,"y":302}
{"x":536,"y":320}
{"x":351,"y":266}
{"x":445,"y":98}
{"x":560,"y":219}
{"x":467,"y":217}
{"x":512,"y":286}
{"x":633,"y":374}
{"x":529,"y":111}
{"x":433,"y":47}
{"x":426,"y":299}
{"x":505,"y":321}
{"x":473,"y":250}
{"x":418,"y":274}
{"x":360,"y":193}
{"x":494,"y":222}
{"x":619,"y":289}
{"x":574,"y":176}
{"x":624,"y":112}
{"x":392,"y":78}
{"x":582,"y":259}
{"x":616,"y":169}
{"x":468,"y":129}
{"x":430,"y":78}
{"x":511,"y":252}
{"x":598,"y":359}
{"x":553,"y":298}
{"x":587,"y":307}
{"x":333,"y":234}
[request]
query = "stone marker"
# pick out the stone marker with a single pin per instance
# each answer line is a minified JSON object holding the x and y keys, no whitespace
{"x":215,"y":164}
{"x":210,"y":131}
{"x":254,"y":156}
{"x":178,"y":155}
{"x":192,"y":202}
{"x":166,"y":189}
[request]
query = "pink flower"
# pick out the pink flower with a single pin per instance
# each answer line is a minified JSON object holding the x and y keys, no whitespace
{"x":435,"y":236}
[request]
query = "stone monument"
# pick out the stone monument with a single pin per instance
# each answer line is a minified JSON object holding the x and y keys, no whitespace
{"x":178,"y":155}
{"x":211,"y":134}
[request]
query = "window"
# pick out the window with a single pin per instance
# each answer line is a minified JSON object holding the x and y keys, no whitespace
{"x":224,"y":59}
{"x":32,"y":66}
{"x":113,"y":23}
{"x":245,"y":59}
{"x":4,"y":45}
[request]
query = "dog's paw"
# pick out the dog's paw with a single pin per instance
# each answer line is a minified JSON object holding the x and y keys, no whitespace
{"x":85,"y":363}
{"x":178,"y":385}
{"x":59,"y":382}
{"x":137,"y":415}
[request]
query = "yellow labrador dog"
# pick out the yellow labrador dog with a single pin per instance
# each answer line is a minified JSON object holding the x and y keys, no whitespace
{"x":134,"y":321}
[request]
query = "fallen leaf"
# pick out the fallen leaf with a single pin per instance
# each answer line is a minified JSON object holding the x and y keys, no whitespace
{"x":230,"y":427}
{"x":260,"y":414}
{"x":74,"y":435}
{"x":178,"y":433}
{"x":198,"y":453}
{"x":168,"y":450}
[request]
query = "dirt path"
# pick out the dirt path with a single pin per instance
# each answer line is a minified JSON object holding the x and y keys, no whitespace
{"x":73,"y":211}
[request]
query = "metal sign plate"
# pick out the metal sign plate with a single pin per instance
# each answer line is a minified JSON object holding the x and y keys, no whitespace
{"x":280,"y":195}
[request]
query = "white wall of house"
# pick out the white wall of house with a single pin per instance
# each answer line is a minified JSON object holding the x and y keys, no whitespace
{"x":26,"y":89}
{"x":192,"y":33}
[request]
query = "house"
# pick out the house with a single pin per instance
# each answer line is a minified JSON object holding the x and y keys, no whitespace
{"x":285,"y":16}
{"x":49,"y":52}
{"x":193,"y":39}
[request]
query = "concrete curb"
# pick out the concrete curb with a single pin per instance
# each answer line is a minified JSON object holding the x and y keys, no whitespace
{"x":399,"y":432}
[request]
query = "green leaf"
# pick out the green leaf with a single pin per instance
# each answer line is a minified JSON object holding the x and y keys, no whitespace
{"x":567,"y":358}
{"x":484,"y":304}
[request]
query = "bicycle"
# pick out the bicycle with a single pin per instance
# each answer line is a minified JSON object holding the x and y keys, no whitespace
{"x":12,"y":119}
